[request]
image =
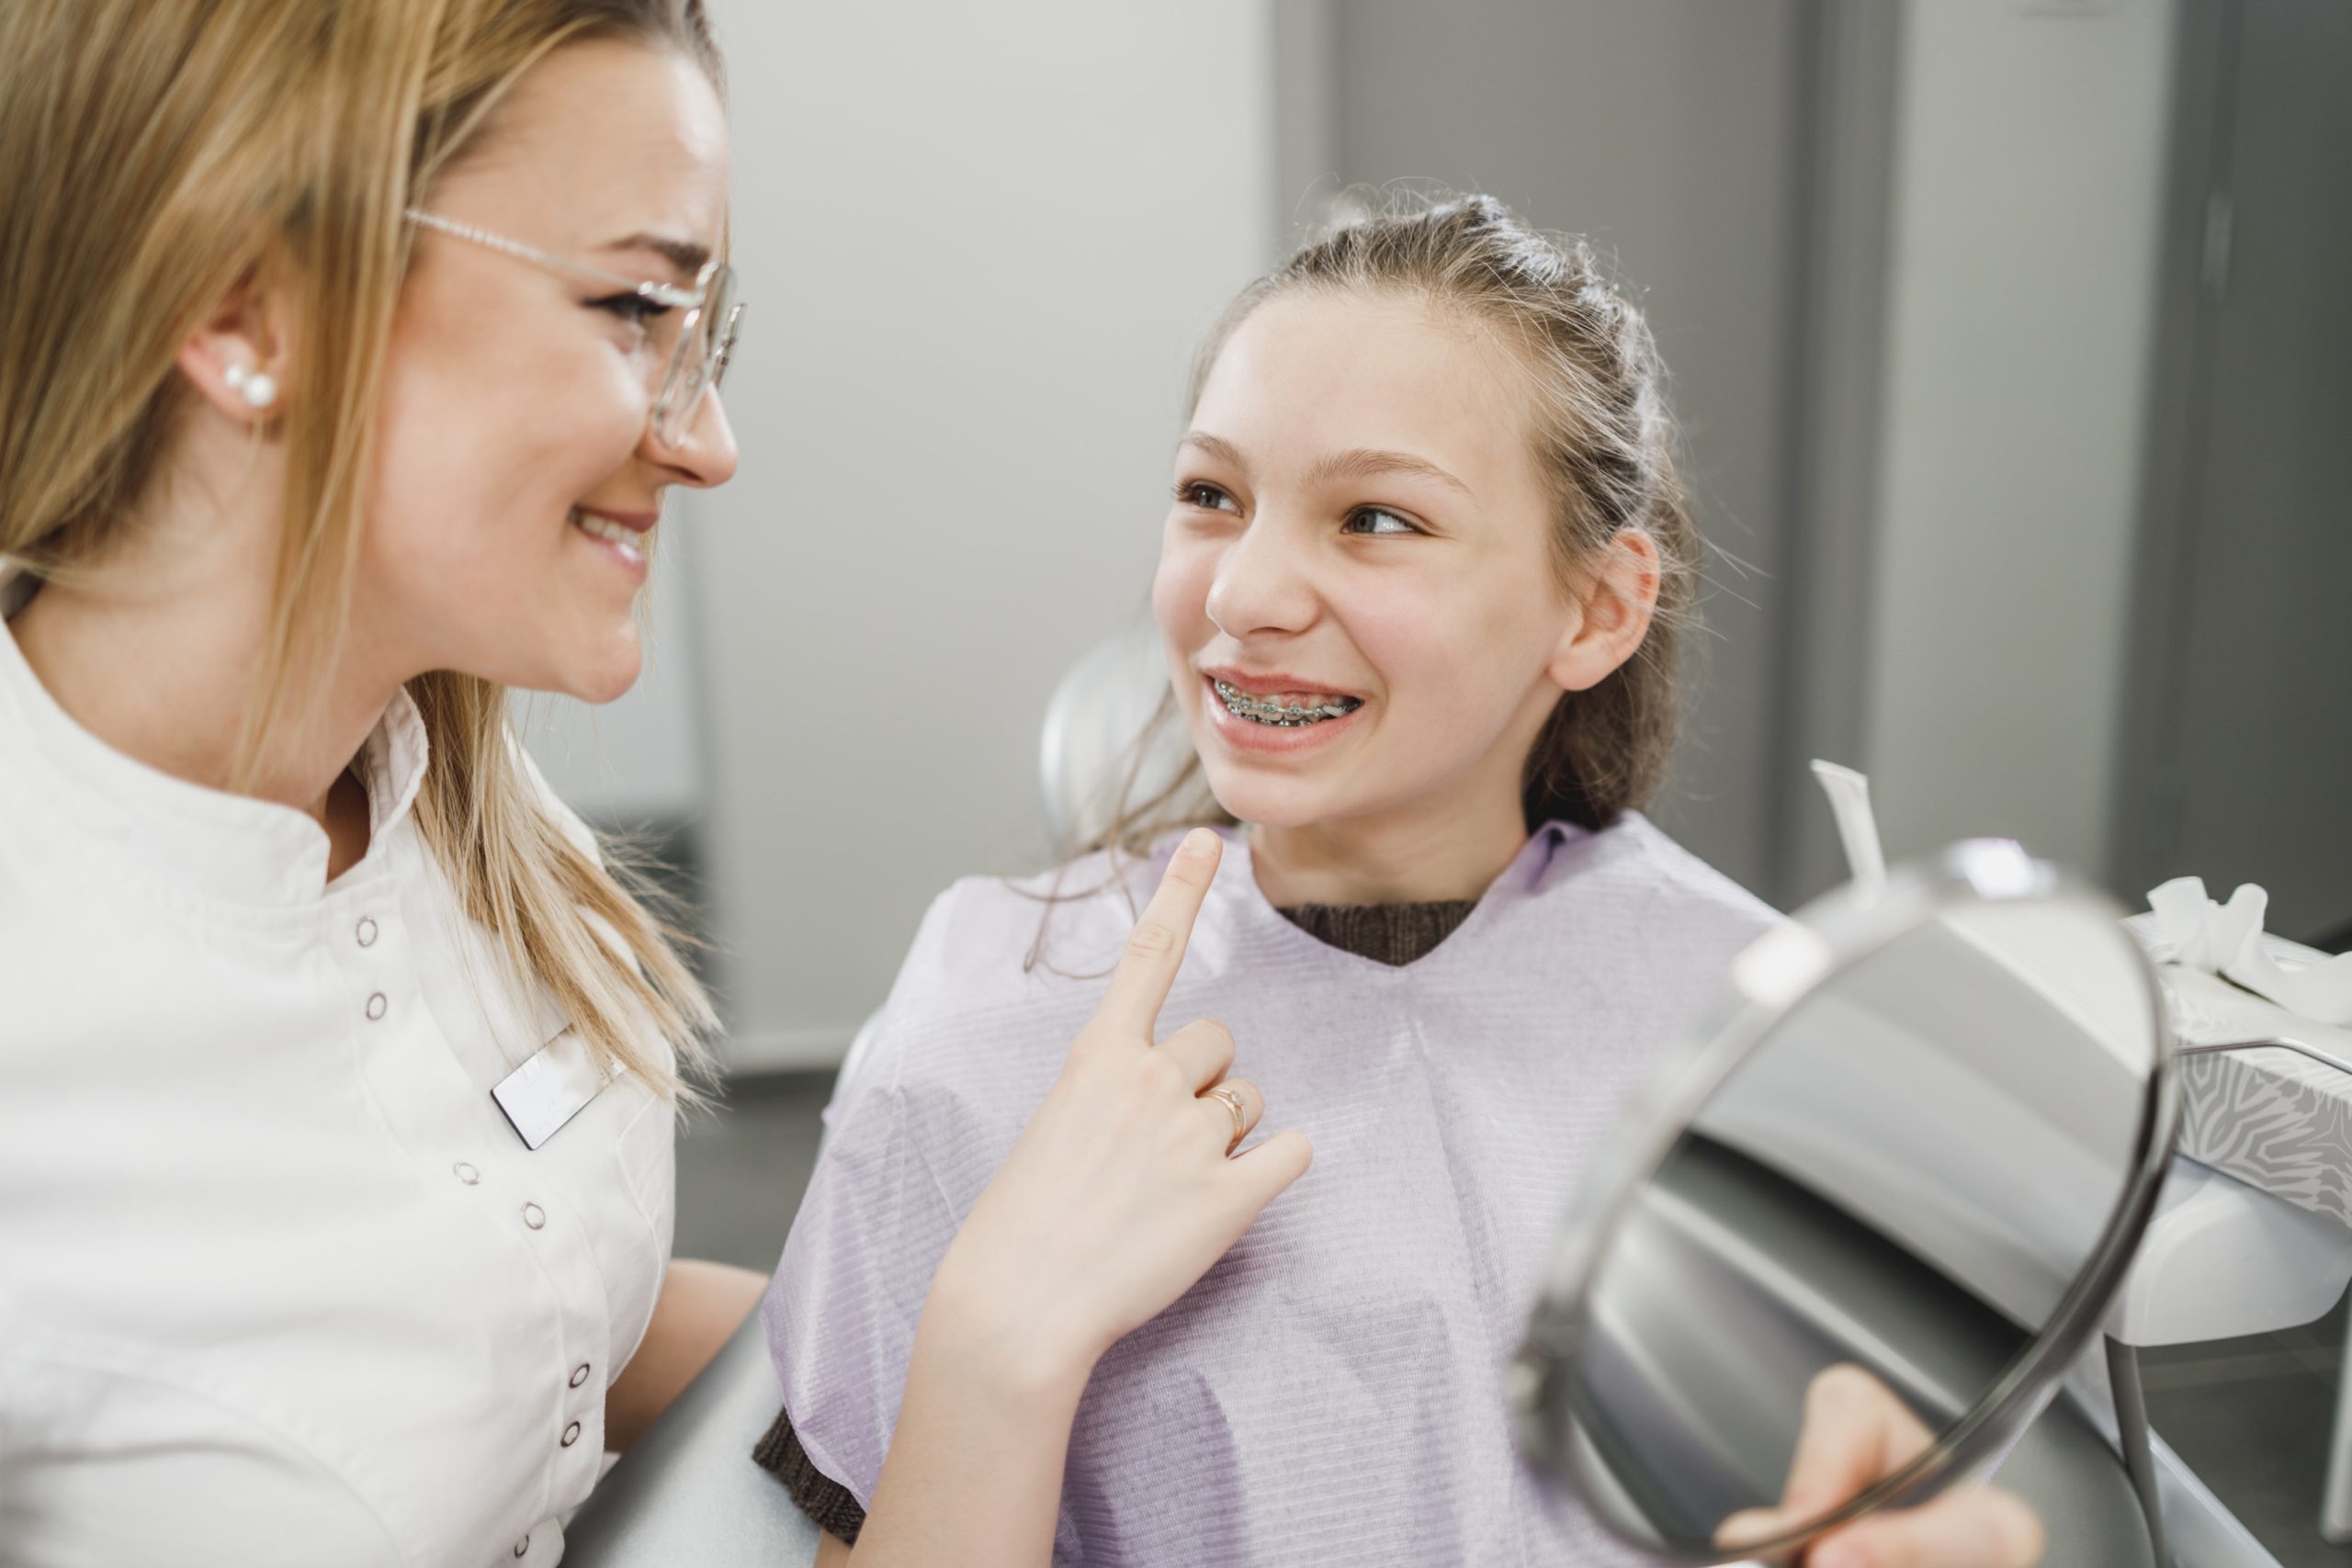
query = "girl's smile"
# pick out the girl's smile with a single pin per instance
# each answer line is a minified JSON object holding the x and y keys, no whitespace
{"x":1275,"y":714}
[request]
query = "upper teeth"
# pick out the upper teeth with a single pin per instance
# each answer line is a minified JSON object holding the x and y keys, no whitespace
{"x":1262,"y":710}
{"x":597,"y":527}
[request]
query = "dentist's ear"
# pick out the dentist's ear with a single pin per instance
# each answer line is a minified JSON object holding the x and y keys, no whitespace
{"x":236,"y":357}
{"x":1612,"y":613}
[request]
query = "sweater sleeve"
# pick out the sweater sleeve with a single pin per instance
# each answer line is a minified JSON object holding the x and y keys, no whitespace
{"x":829,"y":1505}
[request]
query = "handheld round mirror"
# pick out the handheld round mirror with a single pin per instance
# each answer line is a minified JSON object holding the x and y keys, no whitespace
{"x":1906,"y":1155}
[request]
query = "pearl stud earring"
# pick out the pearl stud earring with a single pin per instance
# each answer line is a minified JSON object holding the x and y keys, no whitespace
{"x":258,"y":387}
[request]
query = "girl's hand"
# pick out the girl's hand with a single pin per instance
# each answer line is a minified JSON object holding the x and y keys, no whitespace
{"x":1117,"y":1197}
{"x":1120,"y":1193}
{"x":1854,"y":1432}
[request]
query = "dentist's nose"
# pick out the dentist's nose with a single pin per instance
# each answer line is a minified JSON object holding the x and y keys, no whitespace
{"x":1263,"y":584}
{"x":706,"y":454}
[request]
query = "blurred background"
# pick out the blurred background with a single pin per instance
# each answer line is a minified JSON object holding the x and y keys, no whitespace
{"x":2008,"y":335}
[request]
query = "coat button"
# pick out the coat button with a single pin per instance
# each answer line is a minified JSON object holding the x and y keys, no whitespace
{"x":535,"y":1216}
{"x":572,"y":1434}
{"x":580,"y":1374}
{"x":467,"y":1173}
{"x":376,"y":1005}
{"x":522,"y":1546}
{"x":367,"y":931}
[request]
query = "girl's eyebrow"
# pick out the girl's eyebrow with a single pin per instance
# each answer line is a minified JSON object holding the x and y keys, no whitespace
{"x":1362,"y":463}
{"x":1217,"y":446}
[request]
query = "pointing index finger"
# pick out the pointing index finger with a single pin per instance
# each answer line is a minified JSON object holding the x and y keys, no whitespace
{"x":1156,"y":948}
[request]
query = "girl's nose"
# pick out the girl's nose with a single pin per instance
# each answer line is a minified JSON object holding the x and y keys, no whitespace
{"x":1265,"y":584}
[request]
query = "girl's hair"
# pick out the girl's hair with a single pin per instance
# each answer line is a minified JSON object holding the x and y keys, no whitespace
{"x":1597,"y":418}
{"x":157,"y":153}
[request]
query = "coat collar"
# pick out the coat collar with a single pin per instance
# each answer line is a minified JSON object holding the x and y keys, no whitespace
{"x":226,"y":846}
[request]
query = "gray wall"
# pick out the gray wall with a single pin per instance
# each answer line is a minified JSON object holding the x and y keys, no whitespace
{"x":1901,"y":261}
{"x":1670,"y":133}
{"x":1899,"y":257}
{"x":978,"y":244}
{"x":2020,"y":297}
{"x":2235,"y":752}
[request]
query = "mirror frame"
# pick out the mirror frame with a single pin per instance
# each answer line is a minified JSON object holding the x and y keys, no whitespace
{"x":1766,"y":981}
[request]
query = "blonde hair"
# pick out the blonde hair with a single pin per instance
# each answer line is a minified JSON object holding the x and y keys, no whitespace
{"x":1602,"y":435}
{"x":159,"y":152}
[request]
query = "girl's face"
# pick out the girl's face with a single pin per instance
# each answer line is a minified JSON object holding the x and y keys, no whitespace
{"x":514,"y":428}
{"x":1357,"y":591}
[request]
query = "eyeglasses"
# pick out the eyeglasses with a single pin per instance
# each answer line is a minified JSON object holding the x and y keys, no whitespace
{"x":692,"y":334}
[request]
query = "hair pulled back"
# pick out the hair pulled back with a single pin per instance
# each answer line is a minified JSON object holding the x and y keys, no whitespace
{"x":156,"y":152}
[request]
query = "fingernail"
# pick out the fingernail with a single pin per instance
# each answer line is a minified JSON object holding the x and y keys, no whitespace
{"x":1748,"y":1527}
{"x":1835,"y":1554}
{"x":1198,"y":842}
{"x":2019,"y":1528}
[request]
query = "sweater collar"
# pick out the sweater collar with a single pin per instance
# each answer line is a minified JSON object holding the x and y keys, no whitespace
{"x":1245,"y":911}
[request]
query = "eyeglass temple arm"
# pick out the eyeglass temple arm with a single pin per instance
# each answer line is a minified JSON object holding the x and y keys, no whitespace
{"x":658,"y":293}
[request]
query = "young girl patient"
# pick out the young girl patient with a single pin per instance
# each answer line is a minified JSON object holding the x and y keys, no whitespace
{"x":1423,"y":577}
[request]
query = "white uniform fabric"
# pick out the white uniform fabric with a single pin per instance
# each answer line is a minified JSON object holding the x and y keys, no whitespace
{"x":1331,"y":1391}
{"x":279,"y":1284}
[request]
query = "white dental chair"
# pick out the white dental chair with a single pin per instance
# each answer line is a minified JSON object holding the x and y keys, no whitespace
{"x":687,"y":1496}
{"x":1103,"y":707}
{"x":2221,"y":1259}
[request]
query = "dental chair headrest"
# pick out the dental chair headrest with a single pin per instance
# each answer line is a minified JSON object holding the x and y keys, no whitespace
{"x":1098,"y":712}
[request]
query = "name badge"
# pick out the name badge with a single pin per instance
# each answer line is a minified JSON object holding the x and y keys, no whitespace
{"x":547,"y":1091}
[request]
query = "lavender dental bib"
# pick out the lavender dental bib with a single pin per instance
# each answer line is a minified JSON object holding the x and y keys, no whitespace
{"x":1331,"y":1392}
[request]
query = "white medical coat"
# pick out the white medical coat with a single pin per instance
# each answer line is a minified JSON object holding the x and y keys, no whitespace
{"x":278,"y":1283}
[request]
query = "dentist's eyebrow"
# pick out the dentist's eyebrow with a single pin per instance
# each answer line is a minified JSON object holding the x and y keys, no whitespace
{"x":1361,"y":464}
{"x":684,"y":255}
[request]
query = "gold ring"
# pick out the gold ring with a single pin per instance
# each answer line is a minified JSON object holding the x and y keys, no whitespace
{"x":1232,"y":1102}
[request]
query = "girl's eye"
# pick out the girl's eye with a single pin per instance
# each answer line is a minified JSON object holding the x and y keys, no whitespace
{"x":1378,"y":519}
{"x":1207,"y":496}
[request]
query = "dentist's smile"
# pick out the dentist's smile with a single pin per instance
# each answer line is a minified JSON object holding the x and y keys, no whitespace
{"x":624,"y":536}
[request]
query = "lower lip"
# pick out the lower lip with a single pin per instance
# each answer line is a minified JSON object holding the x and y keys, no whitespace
{"x":628,"y":557}
{"x":1248,"y":735}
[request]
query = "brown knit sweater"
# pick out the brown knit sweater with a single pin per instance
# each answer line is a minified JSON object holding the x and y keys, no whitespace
{"x":1394,"y":934}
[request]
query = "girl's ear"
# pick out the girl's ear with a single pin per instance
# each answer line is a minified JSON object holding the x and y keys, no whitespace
{"x":1614,"y":616}
{"x":236,"y":358}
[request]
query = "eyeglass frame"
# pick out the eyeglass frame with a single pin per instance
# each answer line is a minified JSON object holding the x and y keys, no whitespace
{"x":714,"y":277}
